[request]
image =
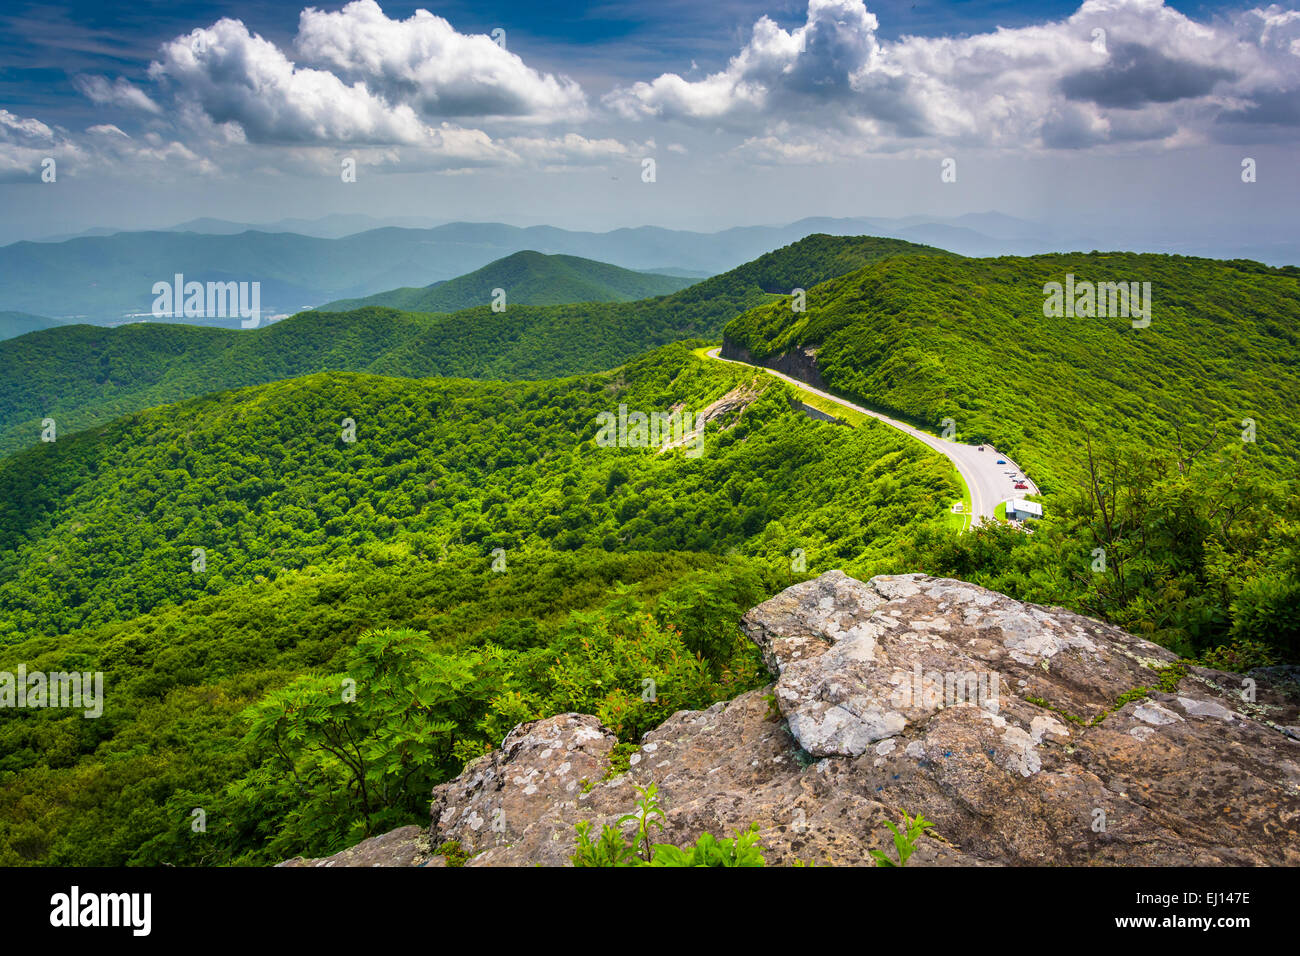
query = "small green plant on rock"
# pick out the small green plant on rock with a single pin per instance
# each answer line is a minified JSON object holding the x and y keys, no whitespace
{"x":611,"y":848}
{"x":454,"y":853}
{"x":620,"y":760}
{"x":649,"y":816}
{"x":1172,"y":676}
{"x":741,"y":850}
{"x":905,"y":840}
{"x":773,"y":708}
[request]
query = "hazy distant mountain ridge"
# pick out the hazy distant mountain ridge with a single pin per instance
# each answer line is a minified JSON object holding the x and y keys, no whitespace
{"x":526,"y":278}
{"x":103,"y":279}
{"x":83,"y":375}
{"x":20,"y":323}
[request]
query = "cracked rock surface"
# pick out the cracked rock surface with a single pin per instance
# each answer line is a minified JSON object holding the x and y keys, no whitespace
{"x":998,"y":720}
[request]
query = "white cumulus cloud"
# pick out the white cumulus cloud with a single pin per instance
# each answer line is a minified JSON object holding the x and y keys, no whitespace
{"x":231,"y":76}
{"x":425,"y":63}
{"x":355,"y":77}
{"x":1112,"y":73}
{"x":119,"y":92}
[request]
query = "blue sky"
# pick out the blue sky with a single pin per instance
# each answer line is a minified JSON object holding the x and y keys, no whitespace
{"x":156,"y":113}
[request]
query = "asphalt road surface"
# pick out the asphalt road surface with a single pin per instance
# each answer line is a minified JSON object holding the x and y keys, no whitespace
{"x":989,"y":483}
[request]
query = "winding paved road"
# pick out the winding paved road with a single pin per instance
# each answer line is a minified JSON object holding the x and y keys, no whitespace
{"x":989,"y":483}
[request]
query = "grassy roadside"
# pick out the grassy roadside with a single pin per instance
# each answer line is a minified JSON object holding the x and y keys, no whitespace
{"x":958,"y":521}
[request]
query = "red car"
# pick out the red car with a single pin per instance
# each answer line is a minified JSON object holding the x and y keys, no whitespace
{"x":1021,"y":486}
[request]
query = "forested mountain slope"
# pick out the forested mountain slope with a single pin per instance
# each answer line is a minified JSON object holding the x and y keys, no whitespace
{"x":237,"y":550}
{"x":1166,"y":451}
{"x":100,"y":524}
{"x":308,"y":539}
{"x":81,"y":376}
{"x":530,"y":278}
{"x":968,"y":339}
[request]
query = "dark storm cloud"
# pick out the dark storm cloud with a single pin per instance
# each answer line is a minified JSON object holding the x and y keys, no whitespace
{"x":1137,"y":75}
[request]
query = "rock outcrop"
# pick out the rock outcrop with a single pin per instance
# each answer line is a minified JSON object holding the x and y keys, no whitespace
{"x":1029,"y":735}
{"x":406,"y":846}
{"x":800,"y":362}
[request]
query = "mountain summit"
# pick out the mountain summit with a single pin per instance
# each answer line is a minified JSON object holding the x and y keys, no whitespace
{"x":528,"y":278}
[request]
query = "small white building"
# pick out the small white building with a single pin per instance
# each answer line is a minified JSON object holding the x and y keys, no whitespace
{"x":1018,"y":509}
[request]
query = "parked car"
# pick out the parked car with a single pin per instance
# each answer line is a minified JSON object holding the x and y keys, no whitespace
{"x":1021,"y":486}
{"x":981,"y":448}
{"x":1002,"y":461}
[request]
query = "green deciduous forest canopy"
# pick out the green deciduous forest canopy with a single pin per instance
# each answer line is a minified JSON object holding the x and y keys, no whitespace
{"x":101,"y":524}
{"x":319,"y":506}
{"x":966,"y":338}
{"x":443,"y":473}
{"x":1170,"y":446}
